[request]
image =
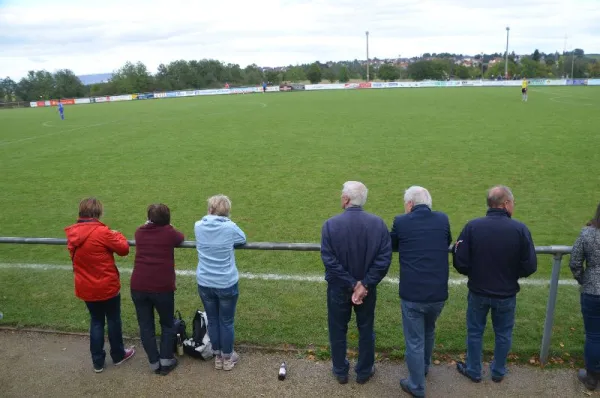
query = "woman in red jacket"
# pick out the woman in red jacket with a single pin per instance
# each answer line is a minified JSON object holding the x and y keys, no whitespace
{"x":91,"y":245}
{"x":153,"y":285}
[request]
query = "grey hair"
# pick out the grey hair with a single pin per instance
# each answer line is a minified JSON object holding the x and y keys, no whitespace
{"x":355,"y":191}
{"x":418,"y":196}
{"x":497,"y":195}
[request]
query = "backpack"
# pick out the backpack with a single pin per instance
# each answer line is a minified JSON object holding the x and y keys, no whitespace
{"x":199,"y":346}
{"x":179,"y":327}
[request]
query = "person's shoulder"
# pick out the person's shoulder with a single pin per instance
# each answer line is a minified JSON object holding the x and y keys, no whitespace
{"x":440,"y":215}
{"x":588,"y":230}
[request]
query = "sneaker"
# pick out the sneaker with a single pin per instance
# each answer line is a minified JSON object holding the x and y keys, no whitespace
{"x":589,"y":380}
{"x":129,"y":353}
{"x":218,"y":362}
{"x":461,"y":367}
{"x":229,"y":363}
{"x":343,"y":379}
{"x":165,"y":370}
{"x":98,"y":369}
{"x":364,"y":379}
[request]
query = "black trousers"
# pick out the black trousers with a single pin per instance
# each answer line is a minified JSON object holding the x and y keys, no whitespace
{"x":164,"y":303}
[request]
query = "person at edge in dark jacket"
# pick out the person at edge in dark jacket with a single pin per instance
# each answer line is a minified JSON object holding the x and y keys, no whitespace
{"x":587,"y":249}
{"x":422,"y":238}
{"x":91,"y":245}
{"x":493,"y":252}
{"x":153,"y":285}
{"x":356,"y":251}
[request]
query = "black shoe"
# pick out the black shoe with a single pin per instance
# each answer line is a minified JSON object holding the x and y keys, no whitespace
{"x":461,"y":367}
{"x":363,"y":380}
{"x":342,"y":379}
{"x":165,"y":370}
{"x":497,"y":379}
{"x":589,"y":380}
{"x":406,"y":389}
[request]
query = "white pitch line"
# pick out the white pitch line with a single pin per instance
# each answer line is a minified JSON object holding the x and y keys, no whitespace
{"x":274,"y":277}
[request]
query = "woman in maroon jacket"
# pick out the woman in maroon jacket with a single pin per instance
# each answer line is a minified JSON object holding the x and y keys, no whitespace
{"x":153,"y":285}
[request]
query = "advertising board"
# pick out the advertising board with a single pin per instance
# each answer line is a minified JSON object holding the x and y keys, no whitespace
{"x":115,"y":98}
{"x":79,"y":101}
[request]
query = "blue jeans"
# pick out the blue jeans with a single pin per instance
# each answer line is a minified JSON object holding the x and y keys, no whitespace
{"x":219,"y":305}
{"x":164,"y":303}
{"x":111,"y":311}
{"x":418,"y":323}
{"x":339,"y":311}
{"x":590,"y":309}
{"x":503,"y":321}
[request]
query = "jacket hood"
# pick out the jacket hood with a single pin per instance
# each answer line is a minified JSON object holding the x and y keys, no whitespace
{"x":79,"y":232}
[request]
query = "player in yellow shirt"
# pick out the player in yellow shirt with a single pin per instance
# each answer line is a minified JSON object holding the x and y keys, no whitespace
{"x":524,"y":89}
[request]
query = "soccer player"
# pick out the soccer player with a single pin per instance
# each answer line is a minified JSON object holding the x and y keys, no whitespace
{"x":524,"y":89}
{"x":264,"y":84}
{"x":61,"y":110}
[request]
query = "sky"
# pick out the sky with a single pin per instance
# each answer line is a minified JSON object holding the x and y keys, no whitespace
{"x":100,"y":36}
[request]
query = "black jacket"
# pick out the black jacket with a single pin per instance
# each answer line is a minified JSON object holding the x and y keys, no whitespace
{"x":494,"y":252}
{"x":422,"y":238}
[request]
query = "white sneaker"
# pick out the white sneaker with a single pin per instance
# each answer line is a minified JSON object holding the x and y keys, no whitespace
{"x":218,"y":362}
{"x":229,"y":363}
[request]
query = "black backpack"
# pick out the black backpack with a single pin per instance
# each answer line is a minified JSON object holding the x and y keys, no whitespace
{"x":199,"y":346}
{"x":179,"y":327}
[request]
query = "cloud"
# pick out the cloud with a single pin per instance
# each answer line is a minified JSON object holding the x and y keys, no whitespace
{"x":99,"y":37}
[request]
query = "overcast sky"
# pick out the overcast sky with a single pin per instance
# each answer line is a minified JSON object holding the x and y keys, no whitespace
{"x":99,"y":36}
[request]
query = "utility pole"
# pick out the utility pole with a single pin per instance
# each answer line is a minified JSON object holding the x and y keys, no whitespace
{"x":367,"y":34}
{"x":506,"y":60}
{"x":481,"y":66}
{"x":572,"y":63}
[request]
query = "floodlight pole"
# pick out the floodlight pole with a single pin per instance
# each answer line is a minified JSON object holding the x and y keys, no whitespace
{"x":572,"y":64}
{"x":481,"y":66}
{"x":367,"y":34}
{"x":506,"y":60}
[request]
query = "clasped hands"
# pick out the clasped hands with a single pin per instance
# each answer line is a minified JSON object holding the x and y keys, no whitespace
{"x":360,"y":292}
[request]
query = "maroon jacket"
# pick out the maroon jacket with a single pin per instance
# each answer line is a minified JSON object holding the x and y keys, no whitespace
{"x":154,"y":269}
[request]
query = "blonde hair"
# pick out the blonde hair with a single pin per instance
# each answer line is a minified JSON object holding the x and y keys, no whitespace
{"x":219,"y":205}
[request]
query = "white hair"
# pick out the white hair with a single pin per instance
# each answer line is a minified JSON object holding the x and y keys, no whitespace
{"x":418,"y":196}
{"x":356,"y":192}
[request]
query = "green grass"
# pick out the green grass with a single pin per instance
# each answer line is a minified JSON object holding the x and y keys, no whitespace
{"x":282,"y":159}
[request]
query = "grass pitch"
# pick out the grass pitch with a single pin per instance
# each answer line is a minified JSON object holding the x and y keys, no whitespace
{"x":282,"y":159}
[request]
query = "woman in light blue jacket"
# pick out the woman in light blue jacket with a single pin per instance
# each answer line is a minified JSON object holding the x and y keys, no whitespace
{"x":217,"y":276}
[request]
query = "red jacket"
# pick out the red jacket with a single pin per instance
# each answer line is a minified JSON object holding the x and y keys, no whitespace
{"x":91,"y":245}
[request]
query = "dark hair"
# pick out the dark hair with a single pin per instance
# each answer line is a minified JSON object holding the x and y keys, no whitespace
{"x":90,"y":208}
{"x":159,"y":214}
{"x":595,"y":222}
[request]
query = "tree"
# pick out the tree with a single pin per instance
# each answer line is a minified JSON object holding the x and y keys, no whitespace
{"x":462,"y":72}
{"x":8,"y":90}
{"x":344,"y":76}
{"x":314,"y":73}
{"x":67,"y":85}
{"x":594,"y":69}
{"x":536,"y":55}
{"x":434,"y":70}
{"x":253,"y":75}
{"x":273,"y":76}
{"x":131,"y":78}
{"x":329,"y":74}
{"x":295,"y":74}
{"x":388,"y":72}
{"x":578,"y":52}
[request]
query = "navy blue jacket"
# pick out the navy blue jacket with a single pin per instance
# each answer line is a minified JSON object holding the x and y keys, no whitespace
{"x":355,"y":246}
{"x":422,"y":238}
{"x":494,"y":252}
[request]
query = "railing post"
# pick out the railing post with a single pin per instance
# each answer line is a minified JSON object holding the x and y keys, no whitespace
{"x":549,"y":322}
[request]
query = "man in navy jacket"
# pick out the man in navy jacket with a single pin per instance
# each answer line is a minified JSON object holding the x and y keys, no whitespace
{"x":356,"y":251}
{"x":422,"y":238}
{"x":493,"y":252}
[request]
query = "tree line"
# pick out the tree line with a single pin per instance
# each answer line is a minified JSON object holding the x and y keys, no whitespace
{"x":207,"y":73}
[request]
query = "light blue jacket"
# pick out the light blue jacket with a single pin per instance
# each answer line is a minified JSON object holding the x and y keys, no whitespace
{"x":215,"y":237}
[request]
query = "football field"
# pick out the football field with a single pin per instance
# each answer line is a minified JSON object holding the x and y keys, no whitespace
{"x":282,"y":158}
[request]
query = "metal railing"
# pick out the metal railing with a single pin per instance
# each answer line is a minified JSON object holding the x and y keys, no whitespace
{"x":557,"y":253}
